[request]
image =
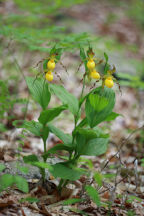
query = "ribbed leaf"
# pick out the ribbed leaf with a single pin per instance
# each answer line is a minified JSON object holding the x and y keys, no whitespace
{"x":62,"y":171}
{"x":93,"y":147}
{"x":66,"y":97}
{"x":58,"y":147}
{"x":99,"y":105}
{"x":66,"y":138}
{"x":50,"y":114}
{"x":112,"y":116}
{"x":32,"y":126}
{"x":39,"y":90}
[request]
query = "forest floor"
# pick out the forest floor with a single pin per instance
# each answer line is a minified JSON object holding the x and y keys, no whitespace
{"x":122,"y":190}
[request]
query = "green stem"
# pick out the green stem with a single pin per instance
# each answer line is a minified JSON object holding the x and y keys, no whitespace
{"x":60,"y":185}
{"x":76,"y":117}
{"x":83,"y":87}
{"x":63,"y":182}
{"x":44,"y":142}
{"x":44,"y":159}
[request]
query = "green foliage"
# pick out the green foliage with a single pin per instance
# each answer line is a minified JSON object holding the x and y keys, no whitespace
{"x":66,"y":97}
{"x":134,"y":81}
{"x":7,"y":103}
{"x":30,"y":200}
{"x":131,"y":213}
{"x":66,"y":138}
{"x":112,"y":116}
{"x":62,"y":171}
{"x":7,"y":180}
{"x":85,"y":139}
{"x":98,"y":178}
{"x":71,"y":201}
{"x":21,"y":183}
{"x":2,"y":167}
{"x":39,"y":90}
{"x":32,"y":126}
{"x":78,"y":211}
{"x":93,"y":147}
{"x":23,"y":169}
{"x":136,"y":11}
{"x":99,"y":105}
{"x":33,"y":25}
{"x":48,"y":115}
{"x":30,"y":159}
{"x":132,"y":198}
{"x":44,"y":6}
{"x":56,"y":148}
{"x":92,"y":192}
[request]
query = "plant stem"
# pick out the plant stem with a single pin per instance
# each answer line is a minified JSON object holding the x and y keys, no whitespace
{"x":60,"y":185}
{"x":44,"y":159}
{"x":83,"y":87}
{"x":44,"y":142}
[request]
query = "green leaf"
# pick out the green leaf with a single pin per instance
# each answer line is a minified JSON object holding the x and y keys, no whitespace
{"x":71,"y":201}
{"x":21,"y":184}
{"x":109,"y":175}
{"x":86,"y":161}
{"x":98,"y":178}
{"x":66,"y":97}
{"x":23,"y":169}
{"x":66,"y":138}
{"x":92,"y":192}
{"x":112,"y":116}
{"x":32,"y":126}
{"x":98,"y":102}
{"x":82,"y":123}
{"x":106,"y":57}
{"x":30,"y":159}
{"x":83,"y":57}
{"x":30,"y":200}
{"x":2,"y":167}
{"x":132,"y":198}
{"x":106,"y":68}
{"x":2,"y":127}
{"x":45,"y":64}
{"x":39,"y":90}
{"x":62,"y":171}
{"x":6,"y":181}
{"x":94,"y":147}
{"x":58,"y":147}
{"x":78,"y":211}
{"x":99,"y":105}
{"x":42,"y":165}
{"x":50,"y":114}
{"x":80,"y":142}
{"x":90,"y":133}
{"x":82,"y":54}
{"x":45,"y":133}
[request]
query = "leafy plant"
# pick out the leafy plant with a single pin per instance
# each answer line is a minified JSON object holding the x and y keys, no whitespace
{"x":86,"y":137}
{"x":8,"y":180}
{"x":7,"y":103}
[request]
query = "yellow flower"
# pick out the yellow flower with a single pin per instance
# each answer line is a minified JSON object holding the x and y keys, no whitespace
{"x":91,"y":64}
{"x":49,"y":76}
{"x":94,"y":74}
{"x":109,"y":82}
{"x":51,"y":64}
